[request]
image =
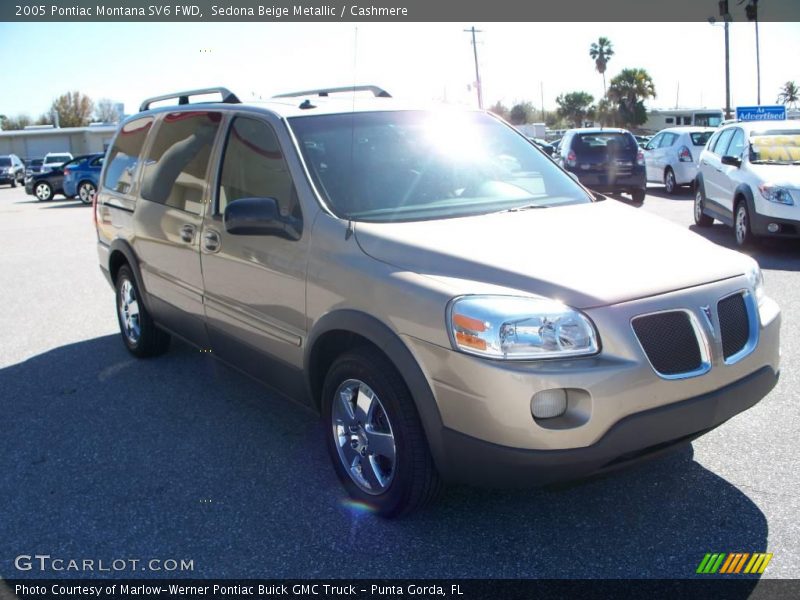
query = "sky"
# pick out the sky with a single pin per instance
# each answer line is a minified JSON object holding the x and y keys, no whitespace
{"x":127,"y":62}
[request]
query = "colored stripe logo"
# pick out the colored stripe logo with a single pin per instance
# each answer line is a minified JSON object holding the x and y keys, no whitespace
{"x":733,"y":563}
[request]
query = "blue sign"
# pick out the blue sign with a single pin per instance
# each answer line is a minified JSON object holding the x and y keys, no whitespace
{"x":761,"y":113}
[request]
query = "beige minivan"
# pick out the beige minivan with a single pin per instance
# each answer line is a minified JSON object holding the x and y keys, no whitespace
{"x":454,"y":304}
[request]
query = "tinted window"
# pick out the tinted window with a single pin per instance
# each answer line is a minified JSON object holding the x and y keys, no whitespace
{"x":722,"y":142}
{"x":254,"y":167}
{"x":415,"y":165}
{"x":700,"y":138}
{"x":605,"y":143}
{"x":5,"y":161}
{"x":97,"y":162}
{"x":176,"y":165}
{"x":124,"y":155}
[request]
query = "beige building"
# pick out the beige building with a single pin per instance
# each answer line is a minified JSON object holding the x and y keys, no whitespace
{"x":35,"y":143}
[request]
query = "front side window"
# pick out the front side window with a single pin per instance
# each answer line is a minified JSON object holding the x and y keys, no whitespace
{"x":254,"y":167}
{"x":124,"y":155}
{"x":177,"y":162}
{"x":736,"y":147}
{"x":418,"y":165}
{"x":721,"y":145}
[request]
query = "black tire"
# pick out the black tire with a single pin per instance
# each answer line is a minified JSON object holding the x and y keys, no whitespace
{"x":146,"y":339}
{"x":86,"y":192}
{"x":638,"y":196}
{"x":413,"y":479}
{"x":14,"y":181}
{"x":741,"y":225}
{"x":700,"y":218}
{"x":43,"y":191}
{"x":670,"y":183}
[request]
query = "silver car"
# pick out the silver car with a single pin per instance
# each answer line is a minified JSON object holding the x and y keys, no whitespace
{"x":672,"y":156}
{"x":452,"y":302}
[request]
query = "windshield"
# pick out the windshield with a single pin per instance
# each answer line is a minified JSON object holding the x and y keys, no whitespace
{"x":700,"y":138}
{"x":777,"y":146}
{"x":57,"y":158}
{"x":603,"y":144}
{"x":418,"y":165}
{"x":5,"y":161}
{"x":37,"y":162}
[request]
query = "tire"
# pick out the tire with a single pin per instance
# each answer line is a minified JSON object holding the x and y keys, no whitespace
{"x":638,"y":196}
{"x":670,"y":184}
{"x":700,"y":218}
{"x":43,"y":191}
{"x":139,"y":332}
{"x":86,"y":191}
{"x":397,"y":476}
{"x":741,"y":226}
{"x":14,"y":181}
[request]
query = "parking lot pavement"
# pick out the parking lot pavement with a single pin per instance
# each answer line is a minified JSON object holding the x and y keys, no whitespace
{"x":104,"y":456}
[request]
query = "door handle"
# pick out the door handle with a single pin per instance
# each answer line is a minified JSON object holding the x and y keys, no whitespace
{"x":187,"y":233}
{"x":211,"y":241}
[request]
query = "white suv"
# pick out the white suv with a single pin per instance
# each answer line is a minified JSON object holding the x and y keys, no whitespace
{"x":672,"y":155}
{"x":749,"y":179}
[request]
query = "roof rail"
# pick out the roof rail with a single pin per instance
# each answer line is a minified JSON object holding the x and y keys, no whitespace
{"x":376,"y":91}
{"x":228,"y":97}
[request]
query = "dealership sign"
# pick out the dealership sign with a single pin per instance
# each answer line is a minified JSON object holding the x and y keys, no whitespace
{"x":761,"y":113}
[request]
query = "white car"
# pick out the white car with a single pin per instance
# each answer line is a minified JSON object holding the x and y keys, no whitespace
{"x":671,"y":156}
{"x":749,"y":179}
{"x":53,"y":160}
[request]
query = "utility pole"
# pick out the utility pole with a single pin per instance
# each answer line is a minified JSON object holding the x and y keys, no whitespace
{"x":726,"y":16}
{"x":478,"y":85}
{"x":752,"y":15}
{"x":541,"y":87}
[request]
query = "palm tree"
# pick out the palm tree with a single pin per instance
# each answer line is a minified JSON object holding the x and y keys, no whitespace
{"x":629,"y":90}
{"x":601,"y":52}
{"x":790,"y":94}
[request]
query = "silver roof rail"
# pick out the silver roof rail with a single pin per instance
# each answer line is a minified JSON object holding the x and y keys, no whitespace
{"x":376,"y":91}
{"x":228,"y":97}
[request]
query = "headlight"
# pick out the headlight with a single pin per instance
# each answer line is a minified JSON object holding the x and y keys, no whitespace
{"x":518,"y":328}
{"x":756,"y":282}
{"x":777,"y":194}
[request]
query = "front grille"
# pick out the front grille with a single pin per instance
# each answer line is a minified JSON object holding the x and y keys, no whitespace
{"x":670,"y":342}
{"x":734,"y":324}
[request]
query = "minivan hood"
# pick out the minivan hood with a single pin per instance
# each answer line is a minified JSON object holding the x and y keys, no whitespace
{"x":583,"y":255}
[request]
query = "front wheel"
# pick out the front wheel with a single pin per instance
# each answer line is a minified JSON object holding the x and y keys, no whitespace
{"x":14,"y":181}
{"x":86,"y":192}
{"x":43,"y":191}
{"x":139,"y":332}
{"x":374,"y":435}
{"x":741,"y":226}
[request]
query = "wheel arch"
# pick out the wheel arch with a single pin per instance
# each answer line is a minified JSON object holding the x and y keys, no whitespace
{"x":338,"y":331}
{"x":121,"y":253}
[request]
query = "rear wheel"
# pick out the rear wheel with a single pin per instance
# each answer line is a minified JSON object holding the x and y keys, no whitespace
{"x":670,"y":185}
{"x":14,"y":181}
{"x":139,"y":331}
{"x":374,"y":435}
{"x":86,"y":192}
{"x":700,"y":218}
{"x":638,"y":196}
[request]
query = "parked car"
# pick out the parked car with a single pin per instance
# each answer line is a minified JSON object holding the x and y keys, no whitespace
{"x":673,"y":154}
{"x":33,"y":166}
{"x":749,"y":179}
{"x":53,"y":160}
{"x":605,"y":160}
{"x":546,"y":146}
{"x":81,"y":175}
{"x":455,"y":305}
{"x":12,"y":169}
{"x":642,"y":140}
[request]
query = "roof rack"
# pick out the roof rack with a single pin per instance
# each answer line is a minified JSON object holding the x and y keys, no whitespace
{"x":376,"y":91}
{"x":228,"y":97}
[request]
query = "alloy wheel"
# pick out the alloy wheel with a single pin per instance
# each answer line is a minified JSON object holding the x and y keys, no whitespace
{"x":129,"y":312}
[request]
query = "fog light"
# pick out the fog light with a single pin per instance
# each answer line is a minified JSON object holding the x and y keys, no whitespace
{"x":549,"y":404}
{"x":773,"y":227}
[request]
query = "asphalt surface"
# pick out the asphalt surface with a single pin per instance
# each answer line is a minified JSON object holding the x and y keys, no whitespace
{"x":105,"y":457}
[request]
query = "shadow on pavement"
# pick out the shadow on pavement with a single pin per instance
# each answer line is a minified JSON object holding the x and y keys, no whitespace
{"x":106,"y":456}
{"x":771,"y":253}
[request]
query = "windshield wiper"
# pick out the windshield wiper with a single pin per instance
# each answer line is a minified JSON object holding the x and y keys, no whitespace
{"x":524,"y":207}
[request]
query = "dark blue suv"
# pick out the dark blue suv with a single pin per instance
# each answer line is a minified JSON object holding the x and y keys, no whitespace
{"x":605,"y":160}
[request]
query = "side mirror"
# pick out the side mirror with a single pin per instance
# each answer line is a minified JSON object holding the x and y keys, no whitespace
{"x":260,"y":216}
{"x":732,"y":161}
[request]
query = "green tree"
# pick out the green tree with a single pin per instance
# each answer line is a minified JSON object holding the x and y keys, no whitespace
{"x":607,"y":113}
{"x":575,"y":107}
{"x":789,"y":95}
{"x":73,"y":109}
{"x":500,"y":109}
{"x":521,"y":113}
{"x":601,"y":52}
{"x":628,"y":91}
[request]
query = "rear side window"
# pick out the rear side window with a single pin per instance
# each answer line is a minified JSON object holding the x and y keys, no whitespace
{"x":176,"y":165}
{"x":700,"y":138}
{"x":97,"y":162}
{"x":254,"y":167}
{"x":668,"y":140}
{"x":124,"y":155}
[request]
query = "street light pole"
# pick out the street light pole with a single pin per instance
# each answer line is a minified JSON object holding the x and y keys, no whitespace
{"x":727,"y":68}
{"x":752,"y":15}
